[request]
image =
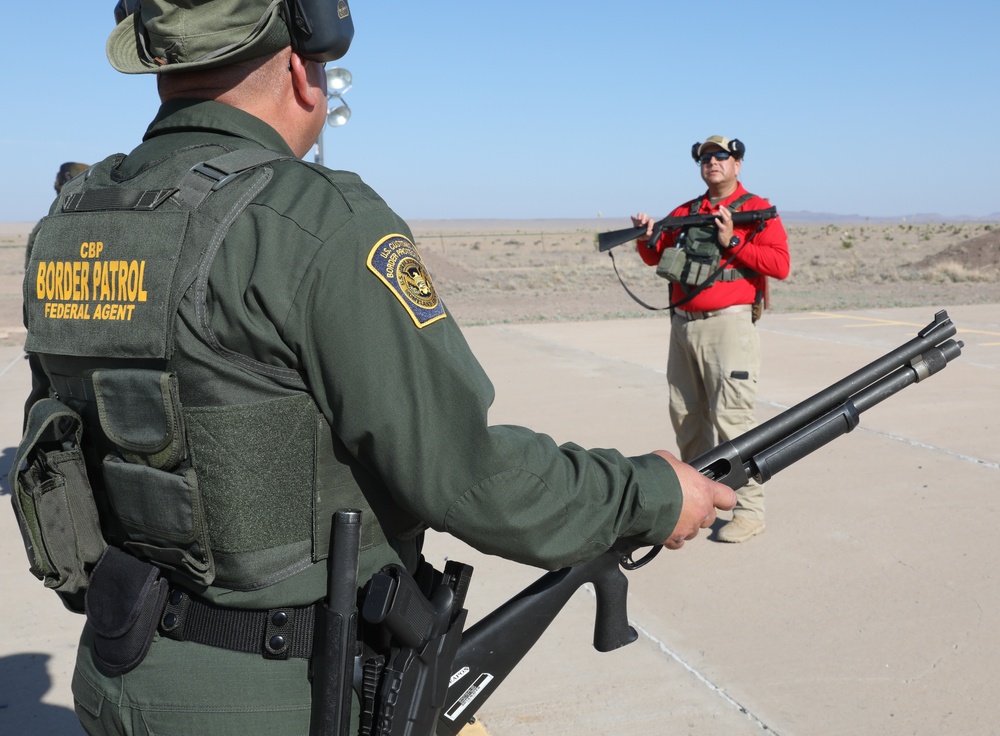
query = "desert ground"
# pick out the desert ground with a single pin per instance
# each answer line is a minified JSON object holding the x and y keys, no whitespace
{"x":513,"y":271}
{"x":872,"y":599}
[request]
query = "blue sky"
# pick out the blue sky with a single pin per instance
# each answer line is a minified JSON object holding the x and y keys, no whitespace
{"x":569,"y":109}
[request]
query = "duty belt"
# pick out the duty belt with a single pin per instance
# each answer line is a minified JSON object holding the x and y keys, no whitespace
{"x":277,"y":633}
{"x":686,"y":315}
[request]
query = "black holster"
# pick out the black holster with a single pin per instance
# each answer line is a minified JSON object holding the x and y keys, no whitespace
{"x":123,"y":603}
{"x":408,"y":662}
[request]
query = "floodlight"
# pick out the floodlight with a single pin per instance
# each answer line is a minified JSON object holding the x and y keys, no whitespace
{"x":339,"y":115}
{"x":338,"y":80}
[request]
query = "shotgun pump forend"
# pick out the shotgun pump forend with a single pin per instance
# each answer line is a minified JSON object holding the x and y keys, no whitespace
{"x":493,"y":646}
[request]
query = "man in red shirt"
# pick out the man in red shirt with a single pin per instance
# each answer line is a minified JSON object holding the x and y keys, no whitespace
{"x":718,"y":278}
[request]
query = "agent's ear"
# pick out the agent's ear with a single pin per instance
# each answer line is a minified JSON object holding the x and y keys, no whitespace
{"x":310,"y":93}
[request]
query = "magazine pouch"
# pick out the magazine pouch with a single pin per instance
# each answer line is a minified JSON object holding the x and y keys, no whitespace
{"x":54,"y":503}
{"x":680,"y":267}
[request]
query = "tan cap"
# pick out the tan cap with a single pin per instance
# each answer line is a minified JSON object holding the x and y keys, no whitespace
{"x":183,"y":35}
{"x":715,"y":140}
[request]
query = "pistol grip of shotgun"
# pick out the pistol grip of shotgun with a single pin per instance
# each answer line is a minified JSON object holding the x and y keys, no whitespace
{"x":611,"y":627}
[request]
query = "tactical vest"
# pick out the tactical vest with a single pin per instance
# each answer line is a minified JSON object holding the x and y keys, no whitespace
{"x":696,"y":255}
{"x":208,"y":463}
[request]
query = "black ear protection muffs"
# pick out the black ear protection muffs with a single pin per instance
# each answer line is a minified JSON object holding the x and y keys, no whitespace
{"x":125,"y":8}
{"x":321,"y":29}
{"x":736,"y":148}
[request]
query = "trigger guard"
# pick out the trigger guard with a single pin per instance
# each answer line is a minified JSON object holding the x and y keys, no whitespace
{"x":631,"y":564}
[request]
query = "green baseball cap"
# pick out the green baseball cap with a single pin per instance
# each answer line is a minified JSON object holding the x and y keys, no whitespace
{"x":165,"y":36}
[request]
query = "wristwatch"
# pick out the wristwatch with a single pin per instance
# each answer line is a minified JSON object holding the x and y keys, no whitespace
{"x":733,"y":241}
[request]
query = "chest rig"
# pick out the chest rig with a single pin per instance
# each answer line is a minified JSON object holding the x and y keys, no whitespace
{"x":215,"y":467}
{"x":696,"y":256}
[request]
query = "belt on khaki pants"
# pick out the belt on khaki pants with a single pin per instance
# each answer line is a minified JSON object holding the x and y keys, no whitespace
{"x":685,"y":315}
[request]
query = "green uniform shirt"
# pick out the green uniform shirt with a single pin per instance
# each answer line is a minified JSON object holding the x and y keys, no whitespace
{"x":301,"y":282}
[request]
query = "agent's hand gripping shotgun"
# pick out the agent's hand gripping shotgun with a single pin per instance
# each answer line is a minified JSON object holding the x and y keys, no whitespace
{"x":493,"y":647}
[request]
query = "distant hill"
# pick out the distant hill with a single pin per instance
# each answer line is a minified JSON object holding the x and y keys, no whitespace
{"x":804,"y":217}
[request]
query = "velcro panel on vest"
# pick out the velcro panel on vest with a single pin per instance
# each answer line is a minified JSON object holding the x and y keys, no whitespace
{"x":99,"y":284}
{"x":140,"y":413}
{"x":256,"y":466}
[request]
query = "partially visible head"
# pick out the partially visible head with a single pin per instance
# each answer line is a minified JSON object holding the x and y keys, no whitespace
{"x":720,"y":160}
{"x":66,"y":172}
{"x":171,"y":36}
{"x":164,"y":36}
{"x":240,"y":52}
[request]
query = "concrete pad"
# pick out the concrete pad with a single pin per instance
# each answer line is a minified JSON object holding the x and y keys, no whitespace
{"x":38,"y":637}
{"x":869,"y":605}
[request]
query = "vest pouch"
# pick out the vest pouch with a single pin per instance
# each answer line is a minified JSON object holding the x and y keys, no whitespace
{"x":54,"y":503}
{"x":162,"y":516}
{"x":154,"y":492}
{"x":680,"y":267}
{"x":124,"y":603}
{"x":140,"y":413}
{"x":671,"y":265}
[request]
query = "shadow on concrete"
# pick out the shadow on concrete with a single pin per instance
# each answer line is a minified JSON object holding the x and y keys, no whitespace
{"x":6,"y":461}
{"x":24,"y":681}
{"x":713,"y":531}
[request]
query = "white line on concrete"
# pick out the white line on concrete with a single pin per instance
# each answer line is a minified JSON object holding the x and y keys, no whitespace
{"x":11,"y":364}
{"x":697,"y":675}
{"x":934,"y":448}
{"x":700,"y":677}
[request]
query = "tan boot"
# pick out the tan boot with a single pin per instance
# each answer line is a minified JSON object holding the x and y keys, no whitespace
{"x":740,"y":529}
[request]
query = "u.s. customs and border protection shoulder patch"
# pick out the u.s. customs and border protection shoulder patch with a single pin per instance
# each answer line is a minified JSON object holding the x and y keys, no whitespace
{"x":396,"y":262}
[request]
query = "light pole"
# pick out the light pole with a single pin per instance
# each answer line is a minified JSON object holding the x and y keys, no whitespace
{"x":338,"y":81}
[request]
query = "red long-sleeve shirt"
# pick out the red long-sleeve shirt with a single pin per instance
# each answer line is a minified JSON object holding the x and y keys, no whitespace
{"x":766,"y":252}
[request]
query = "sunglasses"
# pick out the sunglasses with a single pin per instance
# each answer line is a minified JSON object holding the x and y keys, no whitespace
{"x":717,"y":155}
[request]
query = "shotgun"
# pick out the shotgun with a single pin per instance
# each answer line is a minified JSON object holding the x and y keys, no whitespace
{"x":496,"y":644}
{"x":607,"y":241}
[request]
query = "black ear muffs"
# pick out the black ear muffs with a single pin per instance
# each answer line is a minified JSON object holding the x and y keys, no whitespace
{"x":736,"y":148}
{"x":321,"y":30}
{"x":125,"y":8}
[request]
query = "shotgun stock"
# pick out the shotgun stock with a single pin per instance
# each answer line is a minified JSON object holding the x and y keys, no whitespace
{"x":493,"y":646}
{"x":607,"y":241}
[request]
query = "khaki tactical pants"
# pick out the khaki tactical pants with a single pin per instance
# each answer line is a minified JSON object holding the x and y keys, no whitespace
{"x":712,"y":368}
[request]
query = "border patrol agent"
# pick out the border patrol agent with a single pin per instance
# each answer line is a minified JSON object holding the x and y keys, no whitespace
{"x":228,"y":344}
{"x":718,"y":281}
{"x":66,"y":172}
